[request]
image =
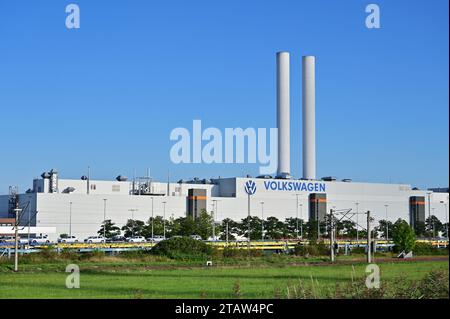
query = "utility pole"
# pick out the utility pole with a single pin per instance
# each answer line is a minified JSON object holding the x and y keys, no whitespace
{"x":369,"y":254}
{"x":227,"y":231}
{"x":387,"y":226}
{"x":357,"y":223}
{"x":132,"y":210}
{"x":70,"y":219}
{"x":248,"y":230}
{"x":164,"y":218}
{"x":104,"y":218}
{"x":331,"y":236}
{"x":301,"y":224}
{"x":262,"y":221}
{"x":213,"y":222}
{"x":17,"y":210}
{"x":153,"y":218}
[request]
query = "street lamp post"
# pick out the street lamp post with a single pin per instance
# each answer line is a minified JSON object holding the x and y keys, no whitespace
{"x":153,"y":218}
{"x":262,"y":220}
{"x":29,"y":218}
{"x":301,"y":224}
{"x":132,"y":210}
{"x":164,"y":219}
{"x":446,"y":217}
{"x":104,"y":218}
{"x":387,"y":226}
{"x":434,"y":229}
{"x":357,"y":222}
{"x":70,"y":219}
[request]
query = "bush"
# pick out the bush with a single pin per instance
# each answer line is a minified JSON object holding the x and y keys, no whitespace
{"x":182,"y":248}
{"x":403,"y":236}
{"x":435,"y":285}
{"x":231,"y":252}
{"x":313,"y":249}
{"x":423,"y":249}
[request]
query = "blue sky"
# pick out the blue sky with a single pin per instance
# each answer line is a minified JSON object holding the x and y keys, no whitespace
{"x":108,"y":94}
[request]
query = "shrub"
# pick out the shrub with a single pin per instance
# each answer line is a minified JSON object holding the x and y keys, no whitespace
{"x":182,"y":248}
{"x":230,"y":252}
{"x":403,"y":236}
{"x":434,"y":285}
{"x":313,"y":249}
{"x":428,"y":249}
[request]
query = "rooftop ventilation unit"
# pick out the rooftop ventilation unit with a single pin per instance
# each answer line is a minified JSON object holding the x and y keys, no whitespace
{"x":329,"y":178}
{"x":121,"y":178}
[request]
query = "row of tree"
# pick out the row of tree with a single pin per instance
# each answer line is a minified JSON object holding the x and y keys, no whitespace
{"x":270,"y":228}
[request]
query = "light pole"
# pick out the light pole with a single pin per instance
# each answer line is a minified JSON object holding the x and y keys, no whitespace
{"x":212,"y":215}
{"x":446,"y":217}
{"x":29,"y":218}
{"x":153,"y":218}
{"x":301,"y":224}
{"x":262,"y":221}
{"x":296,"y":213}
{"x":132,"y":210}
{"x":17,"y":210}
{"x":434,"y":229}
{"x":70,"y":219}
{"x":429,"y":207}
{"x":357,"y":222}
{"x":104,"y":218}
{"x":164,"y":219}
{"x":387,"y":226}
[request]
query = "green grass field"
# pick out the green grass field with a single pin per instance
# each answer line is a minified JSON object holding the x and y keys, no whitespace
{"x":139,"y":279}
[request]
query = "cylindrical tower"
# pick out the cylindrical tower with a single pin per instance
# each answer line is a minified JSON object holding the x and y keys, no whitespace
{"x":309,"y":116}
{"x":283,"y":117}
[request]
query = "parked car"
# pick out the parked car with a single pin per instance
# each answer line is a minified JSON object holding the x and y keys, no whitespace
{"x":68,"y":240}
{"x":196,"y":237}
{"x":7,"y":239}
{"x":23,"y":241}
{"x":116,"y":239}
{"x":136,"y":239}
{"x":40,"y":240}
{"x":156,"y":239}
{"x":94,"y":240}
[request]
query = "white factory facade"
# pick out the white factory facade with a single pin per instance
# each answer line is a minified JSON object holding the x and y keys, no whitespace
{"x":82,"y":212}
{"x":80,"y":206}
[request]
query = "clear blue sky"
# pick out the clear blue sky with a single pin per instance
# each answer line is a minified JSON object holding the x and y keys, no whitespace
{"x":108,"y":94}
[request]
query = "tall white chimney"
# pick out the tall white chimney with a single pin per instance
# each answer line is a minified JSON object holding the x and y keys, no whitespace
{"x":309,"y":116}
{"x":283,"y":118}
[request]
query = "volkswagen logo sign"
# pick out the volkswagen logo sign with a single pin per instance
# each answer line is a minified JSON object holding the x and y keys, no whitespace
{"x":250,"y":187}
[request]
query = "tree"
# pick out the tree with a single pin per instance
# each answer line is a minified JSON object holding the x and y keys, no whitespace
{"x":382,"y":224}
{"x":420,"y":229}
{"x":433,"y":226}
{"x":109,"y":229}
{"x":349,"y":228}
{"x":290,"y":227}
{"x":203,"y":224}
{"x":403,"y":236}
{"x":274,"y":228}
{"x":255,"y":227}
{"x":232,"y":227}
{"x":134,"y":228}
{"x":158,"y":226}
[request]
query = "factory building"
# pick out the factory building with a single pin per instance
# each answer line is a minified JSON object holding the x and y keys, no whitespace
{"x":78,"y":207}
